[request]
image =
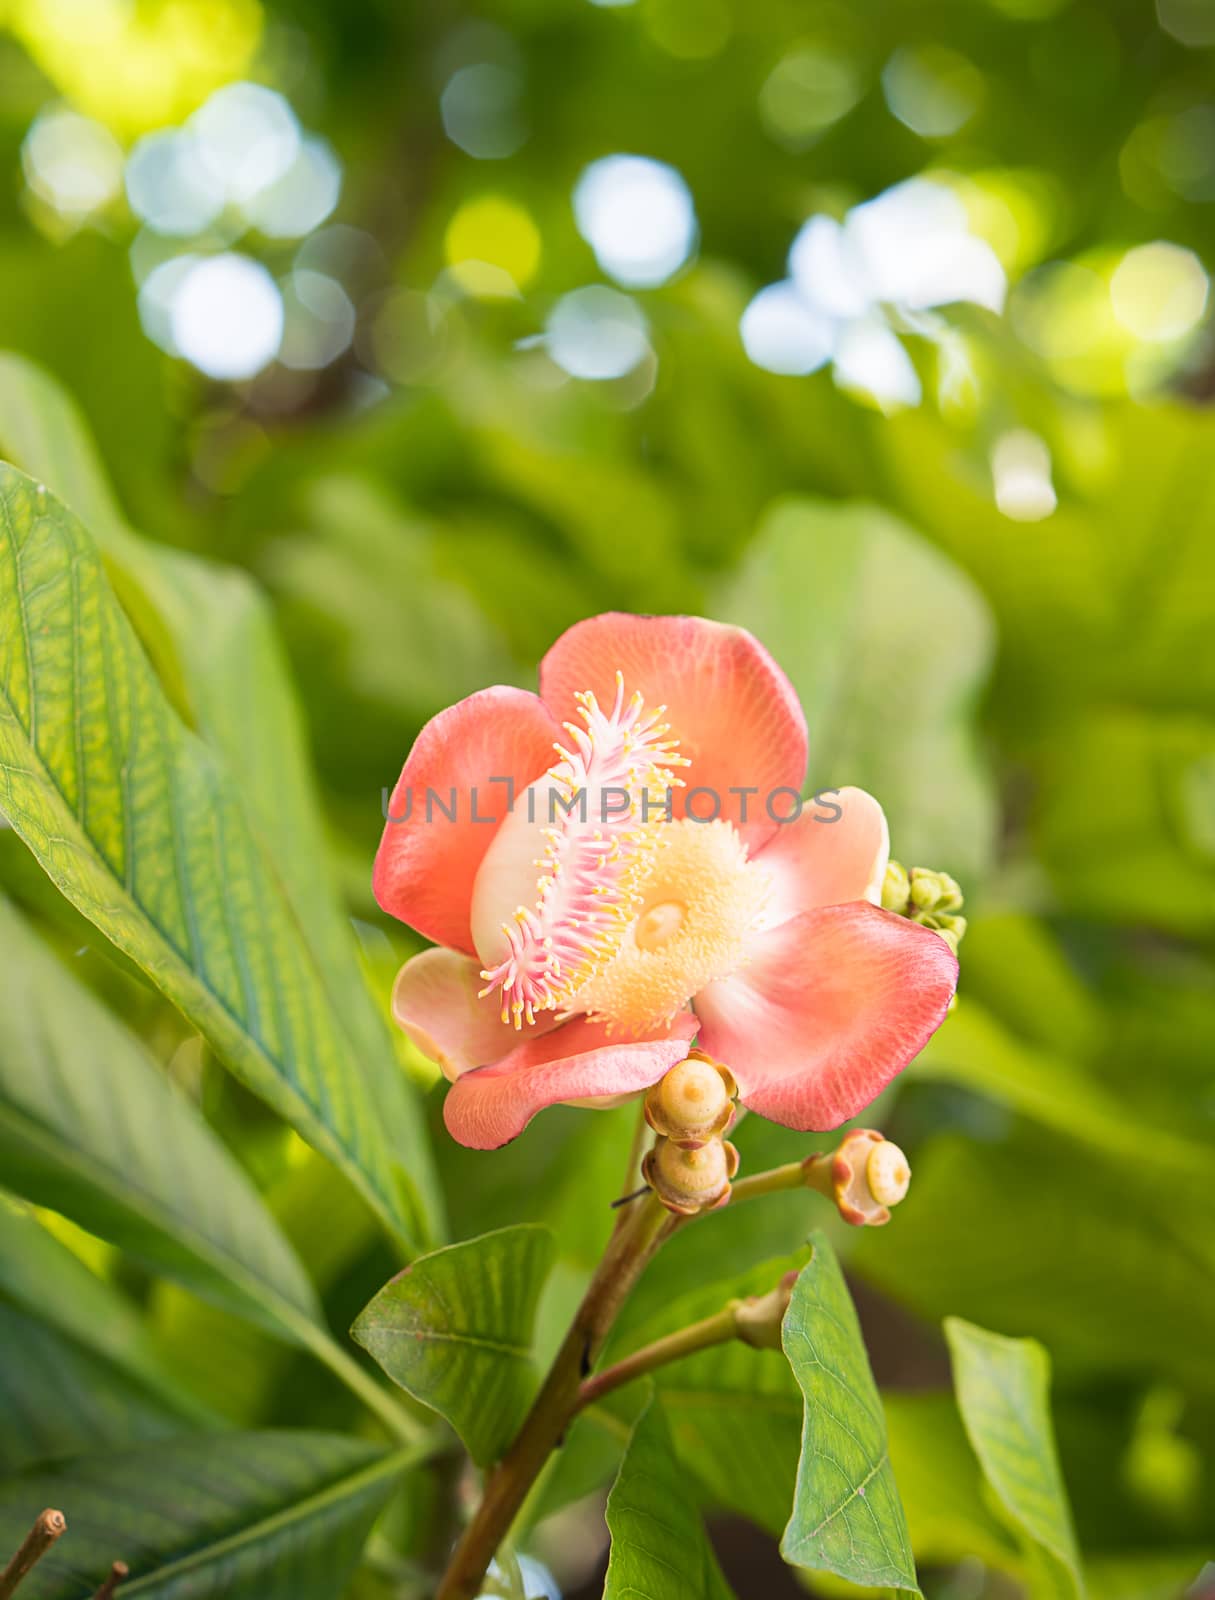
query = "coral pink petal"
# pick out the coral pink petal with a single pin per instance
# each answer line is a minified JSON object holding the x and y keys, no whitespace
{"x":834,"y":1004}
{"x":580,"y":1061}
{"x":427,"y":860}
{"x":836,"y":851}
{"x":728,"y":703}
{"x":435,"y":1000}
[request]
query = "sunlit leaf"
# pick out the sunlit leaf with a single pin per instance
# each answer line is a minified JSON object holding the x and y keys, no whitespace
{"x":211,"y":637}
{"x":455,"y":1330}
{"x":1003,"y":1389}
{"x":140,"y":826}
{"x":940,"y":1484}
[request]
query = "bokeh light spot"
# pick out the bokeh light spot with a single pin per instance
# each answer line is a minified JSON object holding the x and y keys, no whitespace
{"x":782,"y":334}
{"x":226,"y":316}
{"x":807,"y":92}
{"x":301,"y":197}
{"x":137,"y":66}
{"x":597,"y":333}
{"x":481,"y":110}
{"x":72,"y":163}
{"x":496,"y":232}
{"x":170,"y":187}
{"x":1021,"y":475}
{"x":157,"y":291}
{"x":248,"y":137}
{"x":318,"y":321}
{"x":1191,"y":22}
{"x":871,"y":362}
{"x":932,"y":90}
{"x":1159,"y":291}
{"x":637,"y":216}
{"x":690,"y":30}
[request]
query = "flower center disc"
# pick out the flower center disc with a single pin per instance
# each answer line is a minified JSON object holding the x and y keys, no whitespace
{"x":659,"y":925}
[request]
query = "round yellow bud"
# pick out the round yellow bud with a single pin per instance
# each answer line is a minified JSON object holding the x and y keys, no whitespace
{"x":693,"y":1179}
{"x":888,"y":1172}
{"x":693,"y":1102}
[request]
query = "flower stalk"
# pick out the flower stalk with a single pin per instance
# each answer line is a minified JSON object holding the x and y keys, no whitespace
{"x":642,"y":1230}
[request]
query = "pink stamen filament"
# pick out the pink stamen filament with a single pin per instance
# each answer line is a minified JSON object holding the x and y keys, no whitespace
{"x":588,"y":888}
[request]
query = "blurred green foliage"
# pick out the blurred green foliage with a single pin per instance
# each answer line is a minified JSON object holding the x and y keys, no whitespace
{"x":316,"y":560}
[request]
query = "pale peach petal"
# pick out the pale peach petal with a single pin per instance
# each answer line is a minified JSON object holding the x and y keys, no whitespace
{"x":579,"y":1061}
{"x":833,"y":1005}
{"x":435,"y":1000}
{"x":834,"y":852}
{"x":427,"y":860}
{"x":728,"y":703}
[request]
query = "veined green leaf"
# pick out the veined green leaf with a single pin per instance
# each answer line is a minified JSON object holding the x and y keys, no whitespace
{"x":847,"y":1515}
{"x":659,"y":1547}
{"x":256,"y":1516}
{"x":91,"y":1127}
{"x":1002,"y":1387}
{"x":211,"y":636}
{"x":455,"y":1331}
{"x":139,"y":824}
{"x":59,"y":1398}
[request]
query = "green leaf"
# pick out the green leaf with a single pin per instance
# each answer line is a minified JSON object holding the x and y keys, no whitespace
{"x":42,"y":1277}
{"x":455,"y":1331}
{"x":212,"y":638}
{"x":254,"y":1516}
{"x":59,"y":1398}
{"x":91,"y":1127}
{"x":141,"y":827}
{"x":1154,"y":1575}
{"x":1041,"y":1236}
{"x":1002,"y":1387}
{"x":974,"y":1051}
{"x":80,"y":1368}
{"x":659,"y":1547}
{"x":941,"y":1486}
{"x":735,"y":1413}
{"x":847,"y":1516}
{"x":888,"y":646}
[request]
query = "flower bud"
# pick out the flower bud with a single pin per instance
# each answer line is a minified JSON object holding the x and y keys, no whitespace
{"x":688,"y":1179}
{"x":934,"y":891}
{"x":757,"y":1319}
{"x":865,"y":1175}
{"x":694,"y":1102}
{"x":896,"y":889}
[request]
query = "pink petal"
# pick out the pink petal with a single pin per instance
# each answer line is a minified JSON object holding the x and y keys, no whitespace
{"x":728,"y":703}
{"x":426,"y":863}
{"x":435,"y":1000}
{"x":834,"y":1004}
{"x":579,"y":1061}
{"x":835,"y":851}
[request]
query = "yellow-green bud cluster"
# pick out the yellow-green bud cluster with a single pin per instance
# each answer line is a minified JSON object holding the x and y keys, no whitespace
{"x":933,"y":899}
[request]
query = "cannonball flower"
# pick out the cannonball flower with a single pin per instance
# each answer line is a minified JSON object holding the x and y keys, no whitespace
{"x":621,"y":865}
